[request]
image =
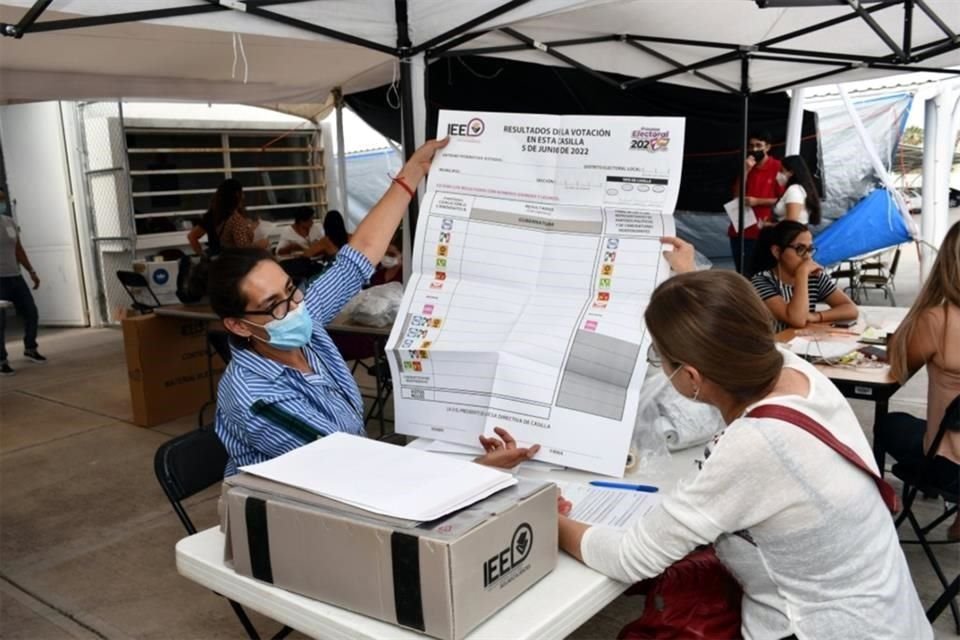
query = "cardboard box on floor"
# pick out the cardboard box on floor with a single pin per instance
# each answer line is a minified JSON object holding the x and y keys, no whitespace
{"x":441,"y":578}
{"x":167,"y":367}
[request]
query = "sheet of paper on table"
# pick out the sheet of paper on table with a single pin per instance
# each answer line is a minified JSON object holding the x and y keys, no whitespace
{"x":537,"y":251}
{"x":401,"y":482}
{"x":733,"y":212}
{"x":616,"y":508}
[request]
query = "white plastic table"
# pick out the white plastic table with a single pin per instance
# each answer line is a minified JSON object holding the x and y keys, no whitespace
{"x":553,"y":608}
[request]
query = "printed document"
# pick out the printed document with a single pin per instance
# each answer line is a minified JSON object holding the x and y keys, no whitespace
{"x":616,"y":508}
{"x":537,"y":249}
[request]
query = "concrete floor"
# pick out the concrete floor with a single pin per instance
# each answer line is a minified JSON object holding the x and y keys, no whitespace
{"x":86,"y":535}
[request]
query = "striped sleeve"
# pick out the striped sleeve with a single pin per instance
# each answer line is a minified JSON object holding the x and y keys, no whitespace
{"x":823,"y":284}
{"x":330,"y":291}
{"x":274,"y":428}
{"x":765,"y":286}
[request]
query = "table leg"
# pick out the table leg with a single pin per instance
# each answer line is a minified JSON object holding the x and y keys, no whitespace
{"x":881,"y":409}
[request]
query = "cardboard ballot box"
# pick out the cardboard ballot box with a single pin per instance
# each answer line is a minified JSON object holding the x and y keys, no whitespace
{"x":442,"y":578}
{"x":167,"y":367}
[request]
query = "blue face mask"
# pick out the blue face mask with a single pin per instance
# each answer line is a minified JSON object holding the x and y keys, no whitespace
{"x":3,"y":208}
{"x":292,"y":332}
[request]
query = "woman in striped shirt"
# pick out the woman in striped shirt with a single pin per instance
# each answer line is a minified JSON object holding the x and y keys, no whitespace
{"x":791,"y":284}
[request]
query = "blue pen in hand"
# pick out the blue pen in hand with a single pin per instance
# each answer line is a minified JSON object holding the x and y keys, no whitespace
{"x":646,"y":488}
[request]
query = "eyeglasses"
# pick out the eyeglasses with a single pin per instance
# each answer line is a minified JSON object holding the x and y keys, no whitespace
{"x":279,"y":310}
{"x":803,"y":250}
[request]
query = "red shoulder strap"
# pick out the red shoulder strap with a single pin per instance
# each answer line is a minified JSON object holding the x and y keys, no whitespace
{"x":811,"y":426}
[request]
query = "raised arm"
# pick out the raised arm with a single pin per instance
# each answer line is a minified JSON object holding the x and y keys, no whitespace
{"x":373,"y":235}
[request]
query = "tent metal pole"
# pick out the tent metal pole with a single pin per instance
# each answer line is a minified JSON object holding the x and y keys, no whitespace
{"x":341,"y":156}
{"x":807,"y":80}
{"x":315,"y":28}
{"x":907,"y":27}
{"x":120,"y":18}
{"x":937,"y":20}
{"x":709,"y":62}
{"x":795,"y":123}
{"x":877,"y":29}
{"x":824,"y":25}
{"x":17,"y":30}
{"x":819,"y":61}
{"x":407,"y":131}
{"x":665,"y":58}
{"x":900,"y":67}
{"x":928,"y":191}
{"x":469,"y":24}
{"x":443,"y":51}
{"x":684,"y":41}
{"x":744,"y":139}
{"x":550,"y":51}
{"x":822,"y":54}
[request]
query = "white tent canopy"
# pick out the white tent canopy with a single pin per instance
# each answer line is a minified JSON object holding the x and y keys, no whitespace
{"x":290,"y":60}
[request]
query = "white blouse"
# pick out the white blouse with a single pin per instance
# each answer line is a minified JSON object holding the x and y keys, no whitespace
{"x":795,"y":194}
{"x":804,"y":531}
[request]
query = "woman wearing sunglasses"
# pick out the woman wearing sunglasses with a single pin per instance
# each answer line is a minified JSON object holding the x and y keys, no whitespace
{"x":791,"y":284}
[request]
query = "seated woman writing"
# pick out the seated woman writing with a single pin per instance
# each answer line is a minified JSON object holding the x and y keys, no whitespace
{"x":804,"y":531}
{"x":791,"y":284}
{"x":286,"y":384}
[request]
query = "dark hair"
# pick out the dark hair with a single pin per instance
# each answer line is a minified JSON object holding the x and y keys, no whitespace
{"x":760,"y":134}
{"x":227,"y":272}
{"x":708,"y":319}
{"x":225,"y":201}
{"x":334,"y":228}
{"x":302,"y":214}
{"x":801,"y":176}
{"x":779,"y":235}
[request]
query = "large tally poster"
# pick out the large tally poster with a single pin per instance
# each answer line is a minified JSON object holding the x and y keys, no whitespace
{"x":537,"y":250}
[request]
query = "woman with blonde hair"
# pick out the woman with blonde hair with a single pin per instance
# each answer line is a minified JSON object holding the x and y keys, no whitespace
{"x":800,"y":525}
{"x":930,"y":335}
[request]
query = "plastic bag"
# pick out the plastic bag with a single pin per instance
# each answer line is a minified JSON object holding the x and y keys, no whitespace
{"x":376,"y":306}
{"x":648,"y":447}
{"x":680,"y":422}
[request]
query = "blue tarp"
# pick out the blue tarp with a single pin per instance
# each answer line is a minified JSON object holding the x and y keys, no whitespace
{"x":872,"y":224}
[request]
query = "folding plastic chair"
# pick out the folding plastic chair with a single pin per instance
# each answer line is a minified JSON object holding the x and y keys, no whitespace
{"x":919,"y":478}
{"x":135,"y":283}
{"x":185,"y":466}
{"x":883,"y":279}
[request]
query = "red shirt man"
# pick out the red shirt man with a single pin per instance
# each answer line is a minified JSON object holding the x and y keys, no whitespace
{"x":763,"y":191}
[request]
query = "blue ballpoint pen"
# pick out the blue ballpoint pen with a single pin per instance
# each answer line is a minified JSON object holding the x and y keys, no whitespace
{"x":646,"y":488}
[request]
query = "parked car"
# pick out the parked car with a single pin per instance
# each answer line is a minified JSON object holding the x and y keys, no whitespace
{"x":913,"y":199}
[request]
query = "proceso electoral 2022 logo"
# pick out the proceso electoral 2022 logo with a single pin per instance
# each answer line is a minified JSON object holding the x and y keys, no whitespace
{"x":508,"y":559}
{"x":650,"y":139}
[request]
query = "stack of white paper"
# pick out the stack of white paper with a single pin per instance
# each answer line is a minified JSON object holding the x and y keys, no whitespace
{"x":400,"y":482}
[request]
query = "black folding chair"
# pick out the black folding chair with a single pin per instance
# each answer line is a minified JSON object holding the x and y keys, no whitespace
{"x":185,"y":466}
{"x":921,"y":478}
{"x":135,"y":285}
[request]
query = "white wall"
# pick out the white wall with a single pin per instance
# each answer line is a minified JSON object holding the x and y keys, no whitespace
{"x":37,"y":176}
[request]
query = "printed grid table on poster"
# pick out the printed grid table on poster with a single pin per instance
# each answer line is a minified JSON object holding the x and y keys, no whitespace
{"x":536,"y":257}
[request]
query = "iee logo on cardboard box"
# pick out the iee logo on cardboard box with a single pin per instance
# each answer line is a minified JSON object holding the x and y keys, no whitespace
{"x":510,"y":558}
